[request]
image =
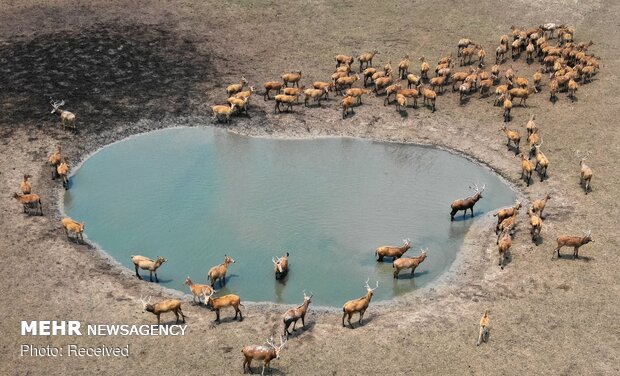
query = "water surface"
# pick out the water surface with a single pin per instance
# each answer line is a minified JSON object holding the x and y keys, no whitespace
{"x":193,"y":195}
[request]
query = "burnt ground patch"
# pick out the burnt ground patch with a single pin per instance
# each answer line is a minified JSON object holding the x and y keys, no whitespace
{"x":105,"y":74}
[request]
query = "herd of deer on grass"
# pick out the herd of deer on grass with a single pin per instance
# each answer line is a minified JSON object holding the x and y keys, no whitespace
{"x":566,"y":63}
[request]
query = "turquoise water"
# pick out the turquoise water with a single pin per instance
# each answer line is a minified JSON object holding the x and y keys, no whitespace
{"x":195,"y":194}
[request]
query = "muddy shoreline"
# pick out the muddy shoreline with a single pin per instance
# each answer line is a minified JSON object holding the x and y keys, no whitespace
{"x":454,"y":275}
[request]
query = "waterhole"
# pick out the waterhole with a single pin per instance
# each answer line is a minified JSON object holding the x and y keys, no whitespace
{"x":193,"y":195}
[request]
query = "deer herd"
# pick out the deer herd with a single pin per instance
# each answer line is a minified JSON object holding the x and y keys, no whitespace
{"x":566,"y":63}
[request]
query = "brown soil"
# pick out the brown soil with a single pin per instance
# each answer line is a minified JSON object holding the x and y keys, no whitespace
{"x":131,"y":66}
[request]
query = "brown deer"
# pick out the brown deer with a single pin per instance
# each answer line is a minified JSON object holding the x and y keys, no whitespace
{"x":219,"y":271}
{"x":266,"y":353}
{"x":25,"y":186}
{"x":573,"y":241}
{"x":67,"y":118}
{"x":392,"y":251}
{"x":408,"y":263}
{"x":230,"y":300}
{"x":145,"y":263}
{"x":198,"y":290}
{"x":162,"y":307}
{"x":506,"y":213}
{"x":539,"y":205}
{"x":280,"y":266}
{"x":535,"y":223}
{"x":483,"y":333}
{"x":504,"y":245}
{"x":513,"y":136}
{"x":466,"y":203}
{"x":358,"y":305}
{"x":585,"y":175}
{"x":74,"y":227}
{"x":29,"y":203}
{"x":54,"y":160}
{"x":294,"y":314}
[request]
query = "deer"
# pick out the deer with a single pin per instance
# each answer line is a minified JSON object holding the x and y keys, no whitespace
{"x":266,"y":353}
{"x":164,"y":306}
{"x":483,"y":333}
{"x":54,"y":160}
{"x":280,"y":266}
{"x":527,"y":168}
{"x":145,"y":263}
{"x":219,"y":271}
{"x":429,"y":95}
{"x":272,"y":85}
{"x":230,"y":300}
{"x":541,"y":161}
{"x":403,"y":67}
{"x":503,"y":245}
{"x":507,"y":103}
{"x":67,"y":118}
{"x":513,"y":136}
{"x":235,"y":88}
{"x":29,"y":203}
{"x":539,"y":205}
{"x":366,"y":58}
{"x":535,"y":223}
{"x":506,"y":213}
{"x":25,"y":186}
{"x":585,"y":175}
{"x":292,"y":315}
{"x":573,"y":241}
{"x":358,"y":305}
{"x":198,"y":290}
{"x":63,"y":172}
{"x":392,"y":251}
{"x":467,"y":203}
{"x":75,"y":227}
{"x":531,"y":126}
{"x":510,"y":222}
{"x":408,"y":263}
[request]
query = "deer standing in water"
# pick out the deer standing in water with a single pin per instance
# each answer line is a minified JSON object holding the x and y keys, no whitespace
{"x":467,"y":203}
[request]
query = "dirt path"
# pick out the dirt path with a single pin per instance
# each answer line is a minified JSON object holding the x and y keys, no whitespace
{"x":129,"y":67}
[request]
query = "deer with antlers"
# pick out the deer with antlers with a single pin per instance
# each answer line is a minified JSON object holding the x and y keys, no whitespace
{"x":266,"y":353}
{"x":573,"y":241}
{"x":67,"y":118}
{"x":292,"y":315}
{"x":164,"y":306}
{"x":358,"y":305}
{"x":585,"y":174}
{"x":280,"y":266}
{"x":467,"y":203}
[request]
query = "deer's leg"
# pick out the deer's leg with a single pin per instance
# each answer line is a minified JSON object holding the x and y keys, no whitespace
{"x":151,"y":275}
{"x":240,"y":314}
{"x":576,"y":253}
{"x":156,"y":279}
{"x":137,"y":274}
{"x":361,"y":316}
{"x":344,"y":314}
{"x":217,"y":315}
{"x":158,"y":321}
{"x":176,"y":314}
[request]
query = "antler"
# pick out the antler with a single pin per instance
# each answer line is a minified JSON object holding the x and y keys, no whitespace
{"x":275,"y":261}
{"x":57,"y":104}
{"x":366,"y":283}
{"x":270,"y":342}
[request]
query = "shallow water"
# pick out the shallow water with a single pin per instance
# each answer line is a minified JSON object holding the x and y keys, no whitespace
{"x":195,"y":194}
